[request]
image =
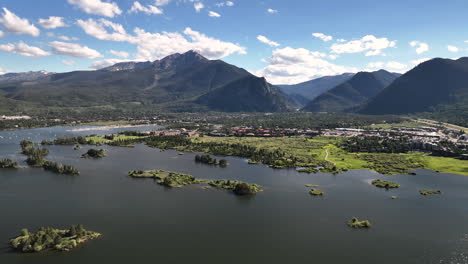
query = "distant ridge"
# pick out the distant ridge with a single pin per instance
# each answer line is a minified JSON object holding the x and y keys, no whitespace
{"x":437,"y":83}
{"x":353,"y":92}
{"x":313,"y":88}
{"x":176,"y":81}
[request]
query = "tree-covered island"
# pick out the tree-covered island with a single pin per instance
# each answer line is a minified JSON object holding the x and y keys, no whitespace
{"x":47,"y":238}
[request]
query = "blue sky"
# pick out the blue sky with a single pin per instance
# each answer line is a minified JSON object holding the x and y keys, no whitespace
{"x":285,"y":41}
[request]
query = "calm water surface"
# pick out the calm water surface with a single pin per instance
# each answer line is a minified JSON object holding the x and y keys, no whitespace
{"x":143,"y":222}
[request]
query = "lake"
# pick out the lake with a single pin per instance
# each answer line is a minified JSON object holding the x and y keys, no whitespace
{"x":144,"y":222}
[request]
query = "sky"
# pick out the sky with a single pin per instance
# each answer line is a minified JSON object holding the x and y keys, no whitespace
{"x":286,"y":42}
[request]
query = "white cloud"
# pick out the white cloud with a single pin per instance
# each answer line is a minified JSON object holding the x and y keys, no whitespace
{"x":466,"y":41}
{"x":121,"y":54}
{"x":369,"y":43}
{"x":419,"y":61}
{"x":322,"y":36}
{"x":198,"y":6}
{"x":452,"y":48}
{"x":161,"y":2}
{"x":23,"y":49}
{"x":421,"y":47}
{"x":377,"y":64}
{"x":106,"y":63}
{"x":62,"y":37}
{"x":1,"y":34}
{"x":341,"y":40}
{"x":73,"y":50}
{"x":99,"y":29}
{"x":52,"y":22}
{"x":151,"y":46}
{"x":396,"y":65}
{"x":97,"y":7}
{"x":272,"y":11}
{"x":3,"y":71}
{"x":68,"y":62}
{"x":227,"y":3}
{"x":289,"y":66}
{"x":18,"y":25}
{"x":213,"y":14}
{"x":393,"y":66}
{"x":150,"y":9}
{"x":265,"y":40}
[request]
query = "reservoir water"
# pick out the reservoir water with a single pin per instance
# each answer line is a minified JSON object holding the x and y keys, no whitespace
{"x":143,"y":222}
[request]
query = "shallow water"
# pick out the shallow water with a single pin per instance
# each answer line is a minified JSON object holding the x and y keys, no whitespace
{"x":142,"y":221}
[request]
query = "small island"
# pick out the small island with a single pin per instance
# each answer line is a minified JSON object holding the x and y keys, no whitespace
{"x":207,"y":159}
{"x":60,"y":168}
{"x":167,"y":178}
{"x":238,"y":187}
{"x":8,"y":164}
{"x":77,"y":147}
{"x":429,"y":192}
{"x":316,"y":192}
{"x":47,"y":238}
{"x":385,"y":184}
{"x":94,"y":153}
{"x":355,"y":223}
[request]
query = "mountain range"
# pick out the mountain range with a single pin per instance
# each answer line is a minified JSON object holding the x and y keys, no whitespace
{"x":191,"y":82}
{"x":353,"y":92}
{"x":188,"y":81}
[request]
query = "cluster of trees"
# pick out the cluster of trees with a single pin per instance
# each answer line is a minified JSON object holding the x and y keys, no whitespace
{"x":60,"y":168}
{"x":207,"y":159}
{"x":51,"y":238}
{"x":449,"y":149}
{"x":36,"y":156}
{"x":377,"y":144}
{"x":238,"y":187}
{"x":8,"y":164}
{"x":274,"y":158}
{"x":66,"y":141}
{"x":94,"y":153}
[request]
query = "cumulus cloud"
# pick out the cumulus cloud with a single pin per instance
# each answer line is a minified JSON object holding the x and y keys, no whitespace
{"x":121,"y":54}
{"x":213,"y":14}
{"x":421,"y":47}
{"x":62,"y":37}
{"x":372,"y":45}
{"x":227,"y":3}
{"x":272,"y":11}
{"x":322,"y":36}
{"x":419,"y":61}
{"x":289,"y":66}
{"x":265,"y":40}
{"x":23,"y":49}
{"x":149,"y":9}
{"x":161,"y":2}
{"x":393,"y":66}
{"x":198,"y":6}
{"x":68,"y":62}
{"x":452,"y":48}
{"x":97,"y":7}
{"x":99,"y":29}
{"x":3,"y":71}
{"x":18,"y":25}
{"x":52,"y":22}
{"x":151,"y":46}
{"x":73,"y":50}
{"x":106,"y":63}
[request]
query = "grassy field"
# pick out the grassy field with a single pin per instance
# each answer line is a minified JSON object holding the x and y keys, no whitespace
{"x":99,"y":140}
{"x":317,"y":148}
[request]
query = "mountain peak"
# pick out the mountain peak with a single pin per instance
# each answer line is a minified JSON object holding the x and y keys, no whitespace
{"x":179,"y":60}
